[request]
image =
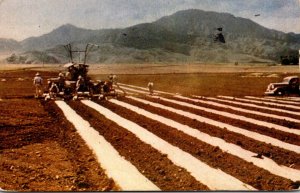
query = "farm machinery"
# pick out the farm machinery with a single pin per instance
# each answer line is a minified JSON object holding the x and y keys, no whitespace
{"x":76,"y":84}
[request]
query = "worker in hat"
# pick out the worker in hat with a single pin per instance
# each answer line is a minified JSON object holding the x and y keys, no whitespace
{"x":38,"y":83}
{"x":150,"y":87}
{"x":113,"y":79}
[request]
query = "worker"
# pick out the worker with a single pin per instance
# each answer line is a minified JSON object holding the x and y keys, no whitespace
{"x":53,"y":90}
{"x":113,"y":78}
{"x":61,"y":82}
{"x":68,"y":76}
{"x":110,"y":77}
{"x":82,"y":70}
{"x":38,"y":83}
{"x":72,"y":73}
{"x":80,"y":84}
{"x":150,"y":87}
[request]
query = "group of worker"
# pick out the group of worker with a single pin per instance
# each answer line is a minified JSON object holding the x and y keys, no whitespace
{"x":59,"y":84}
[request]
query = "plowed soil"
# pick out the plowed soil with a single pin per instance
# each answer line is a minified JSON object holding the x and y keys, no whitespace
{"x":213,"y":156}
{"x":41,"y":151}
{"x":154,"y":165}
{"x":281,"y":156}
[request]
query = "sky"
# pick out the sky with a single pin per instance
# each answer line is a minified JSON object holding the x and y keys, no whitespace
{"x":20,"y":19}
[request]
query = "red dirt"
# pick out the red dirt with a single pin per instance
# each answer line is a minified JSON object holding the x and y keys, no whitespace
{"x":211,"y":155}
{"x":281,"y":135}
{"x":154,"y":165}
{"x":261,"y":110}
{"x":281,"y":156}
{"x":42,"y":151}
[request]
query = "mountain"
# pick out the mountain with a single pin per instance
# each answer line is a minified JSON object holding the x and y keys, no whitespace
{"x":62,"y":35}
{"x":185,"y":36}
{"x":8,"y":45}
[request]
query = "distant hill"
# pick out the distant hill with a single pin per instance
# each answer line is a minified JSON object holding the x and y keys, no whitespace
{"x":62,"y":35}
{"x":185,"y":36}
{"x":8,"y":45}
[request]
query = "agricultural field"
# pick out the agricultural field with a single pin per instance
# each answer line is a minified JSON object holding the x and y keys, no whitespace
{"x":204,"y":128}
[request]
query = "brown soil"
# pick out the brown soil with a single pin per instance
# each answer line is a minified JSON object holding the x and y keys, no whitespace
{"x":285,"y":123}
{"x":154,"y":165}
{"x":283,"y":114}
{"x":287,"y":137}
{"x":272,"y":106}
{"x":281,"y":156}
{"x":42,"y":151}
{"x":281,"y":135}
{"x":211,"y":155}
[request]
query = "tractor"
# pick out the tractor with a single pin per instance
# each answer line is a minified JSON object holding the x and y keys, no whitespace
{"x":75,"y":83}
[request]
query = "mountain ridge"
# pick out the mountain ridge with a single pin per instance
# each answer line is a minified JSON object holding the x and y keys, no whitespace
{"x":185,"y":36}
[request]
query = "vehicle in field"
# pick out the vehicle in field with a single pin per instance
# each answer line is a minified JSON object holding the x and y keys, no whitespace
{"x":289,"y":60}
{"x":289,"y":85}
{"x":75,"y":82}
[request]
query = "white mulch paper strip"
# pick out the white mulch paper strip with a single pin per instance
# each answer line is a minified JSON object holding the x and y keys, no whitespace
{"x":234,"y":116}
{"x":243,"y":110}
{"x":122,"y":171}
{"x":144,"y":88}
{"x":215,"y":179}
{"x":232,"y":101}
{"x":265,"y":163}
{"x":250,"y":134}
{"x":264,"y":103}
{"x":274,"y":100}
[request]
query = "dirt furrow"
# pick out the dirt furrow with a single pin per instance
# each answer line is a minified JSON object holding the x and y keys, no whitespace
{"x":89,"y":175}
{"x":279,"y":155}
{"x":48,"y":156}
{"x":154,"y":165}
{"x":283,"y":136}
{"x":288,"y":107}
{"x":281,"y":122}
{"x":196,"y":104}
{"x":262,"y":105}
{"x":246,"y":106}
{"x":255,"y":114}
{"x":292,"y":108}
{"x":211,"y":155}
{"x":269,"y":122}
{"x":280,"y":102}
